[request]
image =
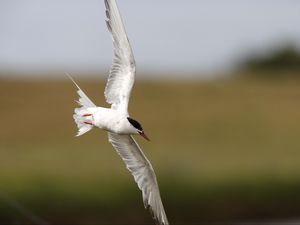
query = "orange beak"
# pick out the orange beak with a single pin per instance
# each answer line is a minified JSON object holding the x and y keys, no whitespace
{"x":144,"y":135}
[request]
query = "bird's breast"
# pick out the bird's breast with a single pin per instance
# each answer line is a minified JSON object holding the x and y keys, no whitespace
{"x":111,"y":120}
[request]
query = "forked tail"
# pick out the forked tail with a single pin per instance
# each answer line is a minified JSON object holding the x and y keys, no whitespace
{"x":82,"y":116}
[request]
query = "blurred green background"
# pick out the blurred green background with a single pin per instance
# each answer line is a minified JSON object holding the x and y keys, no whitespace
{"x":224,"y":150}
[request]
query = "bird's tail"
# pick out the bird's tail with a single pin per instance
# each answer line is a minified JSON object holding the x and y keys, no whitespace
{"x":84,"y":120}
{"x":82,"y":115}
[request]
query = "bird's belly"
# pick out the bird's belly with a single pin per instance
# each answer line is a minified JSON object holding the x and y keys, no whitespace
{"x":110,"y":120}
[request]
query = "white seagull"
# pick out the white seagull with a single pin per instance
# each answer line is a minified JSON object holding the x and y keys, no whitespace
{"x":116,"y":120}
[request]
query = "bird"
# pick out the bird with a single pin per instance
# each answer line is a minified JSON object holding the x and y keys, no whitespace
{"x":116,"y":120}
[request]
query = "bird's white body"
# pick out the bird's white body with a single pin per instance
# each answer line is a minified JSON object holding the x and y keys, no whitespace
{"x":107,"y":119}
{"x":116,"y":120}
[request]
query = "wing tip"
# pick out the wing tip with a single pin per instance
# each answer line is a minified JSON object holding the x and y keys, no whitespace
{"x":159,"y":219}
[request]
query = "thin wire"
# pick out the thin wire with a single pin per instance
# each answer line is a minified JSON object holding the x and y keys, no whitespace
{"x":22,"y":210}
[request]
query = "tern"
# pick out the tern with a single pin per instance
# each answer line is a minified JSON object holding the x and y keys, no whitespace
{"x":116,"y":120}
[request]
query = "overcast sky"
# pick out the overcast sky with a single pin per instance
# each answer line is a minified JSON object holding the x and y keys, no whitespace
{"x":166,"y":35}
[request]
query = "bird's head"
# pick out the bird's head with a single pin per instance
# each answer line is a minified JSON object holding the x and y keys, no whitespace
{"x":138,"y":127}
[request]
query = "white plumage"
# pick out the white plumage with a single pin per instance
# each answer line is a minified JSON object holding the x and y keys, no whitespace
{"x":116,"y":120}
{"x":121,"y":77}
{"x":142,"y":171}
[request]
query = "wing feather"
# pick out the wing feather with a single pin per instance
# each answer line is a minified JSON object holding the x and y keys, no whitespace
{"x":143,"y":173}
{"x":121,"y":77}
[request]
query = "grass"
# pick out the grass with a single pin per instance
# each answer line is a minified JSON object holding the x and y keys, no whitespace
{"x":227,"y":149}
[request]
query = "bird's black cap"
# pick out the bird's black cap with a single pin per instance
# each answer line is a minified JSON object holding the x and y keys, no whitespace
{"x":135,"y":123}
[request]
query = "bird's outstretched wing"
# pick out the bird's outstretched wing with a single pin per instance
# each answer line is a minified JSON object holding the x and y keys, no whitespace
{"x":143,"y":173}
{"x":122,"y":72}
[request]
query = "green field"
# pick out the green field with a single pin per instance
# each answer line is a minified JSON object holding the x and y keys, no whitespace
{"x":223,"y":151}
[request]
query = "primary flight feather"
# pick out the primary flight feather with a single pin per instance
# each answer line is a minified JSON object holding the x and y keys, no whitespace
{"x":116,"y":120}
{"x":122,"y":73}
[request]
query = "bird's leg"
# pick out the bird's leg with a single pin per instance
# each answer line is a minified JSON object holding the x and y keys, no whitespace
{"x":87,"y":115}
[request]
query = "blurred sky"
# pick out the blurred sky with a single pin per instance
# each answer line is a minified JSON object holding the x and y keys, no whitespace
{"x":190,"y":36}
